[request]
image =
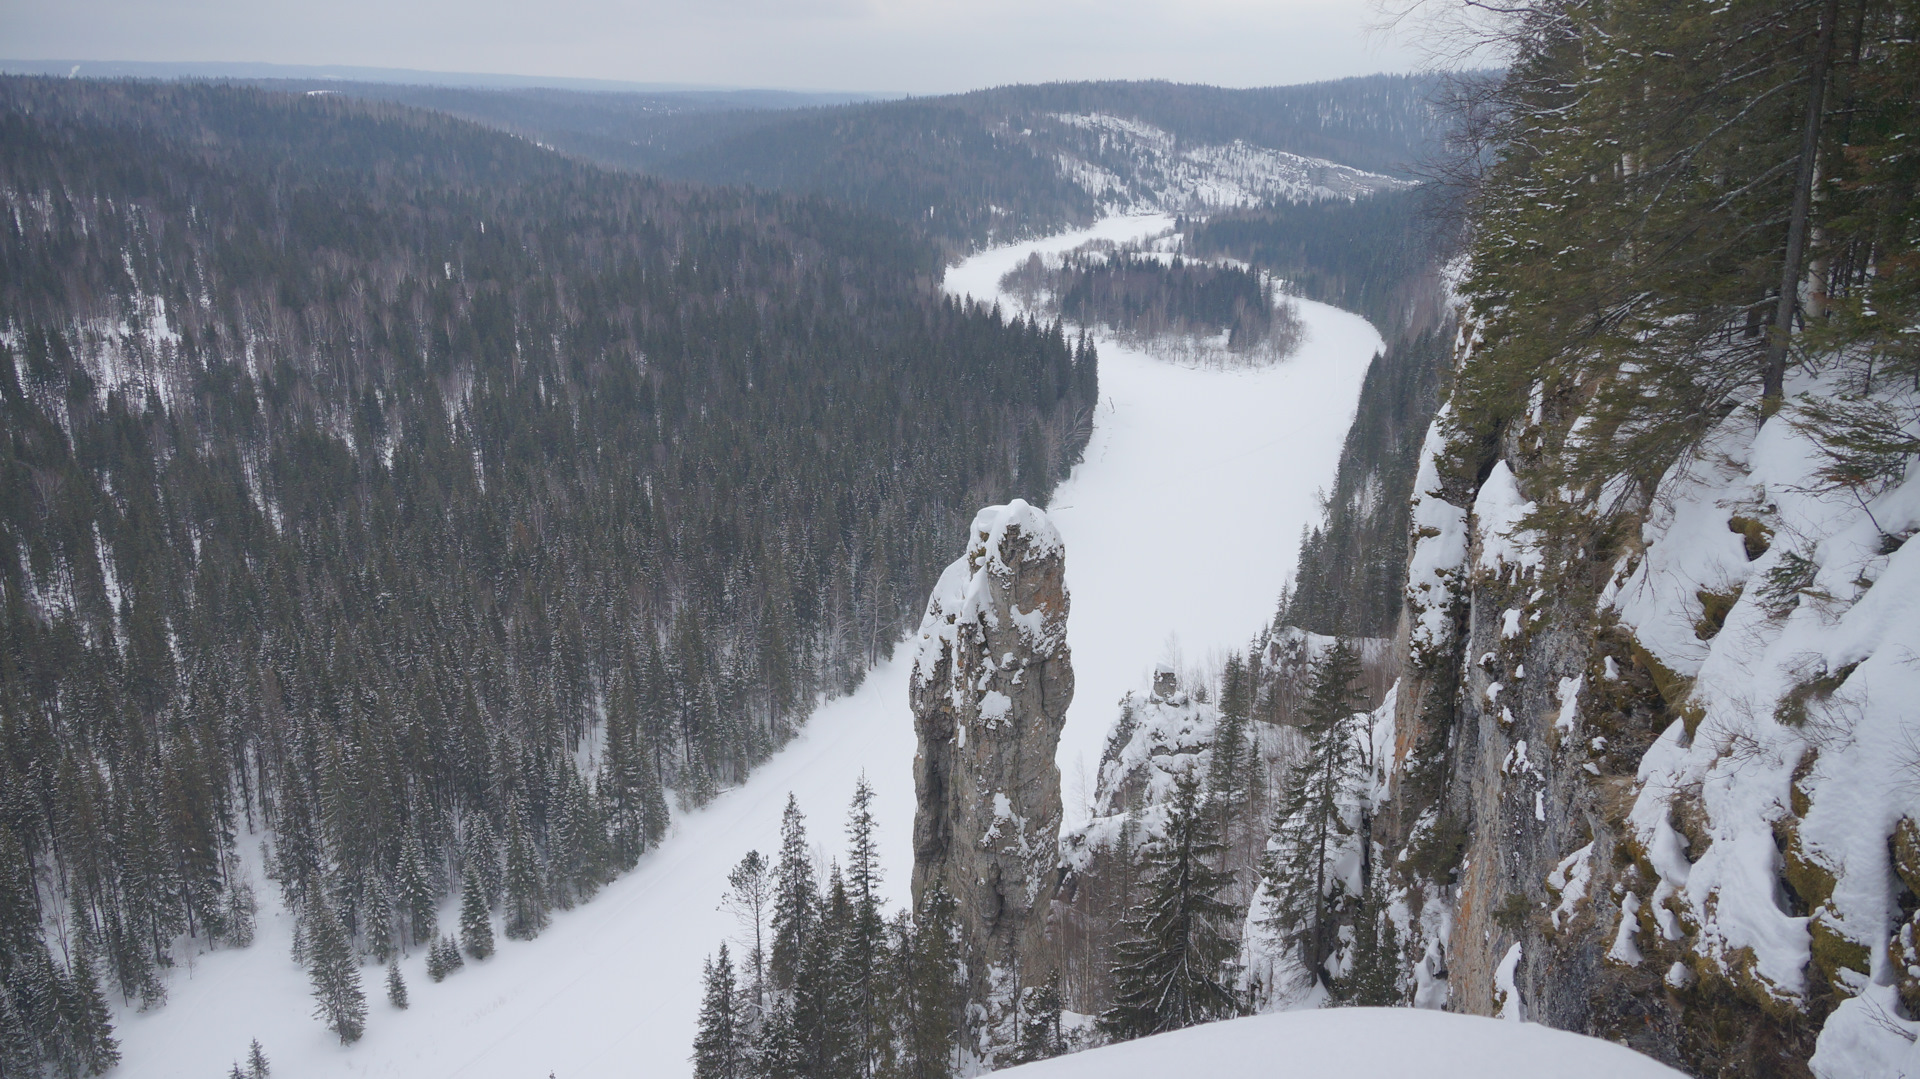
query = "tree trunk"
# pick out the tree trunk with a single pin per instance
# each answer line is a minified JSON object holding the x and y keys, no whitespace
{"x":1774,"y":384}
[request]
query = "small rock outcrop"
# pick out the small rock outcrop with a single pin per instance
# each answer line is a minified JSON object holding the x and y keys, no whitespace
{"x":992,"y":679}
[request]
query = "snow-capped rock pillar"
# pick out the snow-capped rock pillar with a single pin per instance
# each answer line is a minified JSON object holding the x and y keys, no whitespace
{"x":992,"y":679}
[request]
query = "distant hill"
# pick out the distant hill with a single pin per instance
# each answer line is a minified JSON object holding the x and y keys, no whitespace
{"x":969,"y":169}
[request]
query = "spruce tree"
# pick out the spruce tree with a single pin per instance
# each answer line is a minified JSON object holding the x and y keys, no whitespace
{"x":719,"y":1048}
{"x":795,"y":899}
{"x":377,"y":921}
{"x":823,"y":1019}
{"x":19,"y":1050}
{"x":476,"y":923}
{"x":1308,"y":825}
{"x":443,"y":958}
{"x":417,"y":899}
{"x":1171,"y":967}
{"x":480,"y":858}
{"x":241,"y":911}
{"x":526,"y":894}
{"x":1227,"y":771}
{"x":339,"y":1001}
{"x":89,"y":1023}
{"x":396,"y":986}
{"x":865,"y":935}
{"x":257,"y":1065}
{"x":933,"y":991}
{"x":1041,"y":1034}
{"x":1372,"y":977}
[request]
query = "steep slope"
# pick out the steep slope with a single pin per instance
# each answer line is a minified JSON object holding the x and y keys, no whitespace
{"x":1653,"y":770}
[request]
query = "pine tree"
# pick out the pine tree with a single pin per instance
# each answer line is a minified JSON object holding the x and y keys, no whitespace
{"x":377,"y":921}
{"x":339,"y":1001}
{"x":526,"y":894}
{"x":417,"y":899}
{"x":1308,"y":825}
{"x":443,"y":958}
{"x":241,"y":910}
{"x":865,"y":935}
{"x":719,"y":1049}
{"x":19,"y":1050}
{"x":1227,"y":771}
{"x":480,"y":859}
{"x":823,"y":1018}
{"x":1171,"y":967}
{"x":749,"y":897}
{"x":1372,"y":977}
{"x":257,"y":1066}
{"x":1041,"y":1034}
{"x":932,"y":988}
{"x":89,"y":1022}
{"x":795,"y":900}
{"x":476,"y":924}
{"x":396,"y":986}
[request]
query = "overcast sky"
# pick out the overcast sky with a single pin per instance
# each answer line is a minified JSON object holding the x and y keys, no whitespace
{"x":913,"y":46}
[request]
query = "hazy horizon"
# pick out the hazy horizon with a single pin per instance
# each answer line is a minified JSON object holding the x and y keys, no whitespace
{"x":879,"y":47}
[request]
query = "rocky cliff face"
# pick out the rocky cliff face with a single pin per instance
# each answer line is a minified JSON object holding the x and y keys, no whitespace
{"x":1652,"y":783}
{"x":991,"y":683}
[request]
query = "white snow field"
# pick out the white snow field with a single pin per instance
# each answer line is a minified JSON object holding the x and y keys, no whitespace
{"x":1357,"y":1043}
{"x":1183,"y":521}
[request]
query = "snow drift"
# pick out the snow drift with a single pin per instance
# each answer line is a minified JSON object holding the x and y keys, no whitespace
{"x":1356,"y":1043}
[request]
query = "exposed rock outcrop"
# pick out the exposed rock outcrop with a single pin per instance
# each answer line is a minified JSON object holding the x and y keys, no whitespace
{"x":991,"y":683}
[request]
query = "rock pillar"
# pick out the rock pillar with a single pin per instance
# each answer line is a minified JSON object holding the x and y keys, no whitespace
{"x":992,"y":679}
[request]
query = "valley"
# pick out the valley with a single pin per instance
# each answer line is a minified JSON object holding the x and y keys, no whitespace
{"x":1187,"y":470}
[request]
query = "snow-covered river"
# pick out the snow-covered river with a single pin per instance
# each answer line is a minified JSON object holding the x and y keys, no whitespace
{"x":1181,"y":527}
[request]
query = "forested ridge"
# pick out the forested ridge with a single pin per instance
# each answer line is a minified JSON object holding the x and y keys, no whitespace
{"x":435,"y":505}
{"x":988,"y":166}
{"x":963,"y":169}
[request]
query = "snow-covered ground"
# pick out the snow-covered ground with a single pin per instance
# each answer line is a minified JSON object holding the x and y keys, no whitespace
{"x":1357,"y":1043}
{"x":1182,"y":525}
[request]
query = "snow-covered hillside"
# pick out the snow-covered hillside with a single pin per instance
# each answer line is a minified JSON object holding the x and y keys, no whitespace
{"x":1180,"y":527}
{"x":1132,"y":166}
{"x":1357,"y":1043}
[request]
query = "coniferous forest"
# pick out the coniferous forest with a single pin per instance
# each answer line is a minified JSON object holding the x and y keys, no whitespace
{"x":439,"y":504}
{"x":1139,"y":296}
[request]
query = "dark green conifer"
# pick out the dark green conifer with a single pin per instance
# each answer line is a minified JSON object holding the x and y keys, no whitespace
{"x":719,"y":1049}
{"x":338,"y":999}
{"x":1171,"y":969}
{"x":1041,"y":1033}
{"x":396,"y":986}
{"x":795,"y":900}
{"x":1307,"y":826}
{"x":476,"y":923}
{"x":526,"y":893}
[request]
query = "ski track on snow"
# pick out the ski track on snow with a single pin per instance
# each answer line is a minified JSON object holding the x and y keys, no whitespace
{"x":1181,"y":526}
